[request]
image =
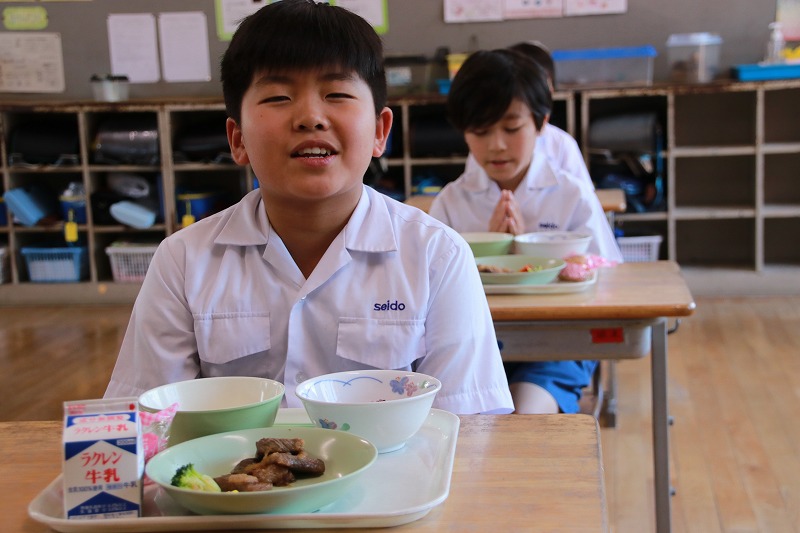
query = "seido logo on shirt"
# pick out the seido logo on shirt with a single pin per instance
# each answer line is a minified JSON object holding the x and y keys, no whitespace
{"x":548,"y":225}
{"x":390,"y":306}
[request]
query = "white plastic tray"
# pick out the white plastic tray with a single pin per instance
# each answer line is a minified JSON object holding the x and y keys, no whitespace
{"x":554,"y":287}
{"x":401,"y":487}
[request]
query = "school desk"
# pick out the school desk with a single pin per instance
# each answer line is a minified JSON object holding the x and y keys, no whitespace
{"x":623,"y":315}
{"x":510,"y":473}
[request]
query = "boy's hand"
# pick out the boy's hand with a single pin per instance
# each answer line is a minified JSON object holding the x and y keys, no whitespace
{"x":506,"y":217}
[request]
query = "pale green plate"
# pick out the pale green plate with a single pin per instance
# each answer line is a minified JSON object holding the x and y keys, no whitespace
{"x":346,"y":457}
{"x":547,"y":271}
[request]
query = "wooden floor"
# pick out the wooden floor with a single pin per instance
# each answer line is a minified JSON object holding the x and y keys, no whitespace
{"x":734,"y":389}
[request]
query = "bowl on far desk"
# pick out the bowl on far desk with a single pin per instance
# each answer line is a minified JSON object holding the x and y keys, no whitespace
{"x":216,"y":405}
{"x":386,"y":407}
{"x":555,"y":244}
{"x":483,"y":243}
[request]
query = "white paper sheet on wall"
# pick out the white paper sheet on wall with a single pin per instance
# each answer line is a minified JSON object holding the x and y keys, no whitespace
{"x":133,"y":46}
{"x":31,"y":63}
{"x":184,"y":46}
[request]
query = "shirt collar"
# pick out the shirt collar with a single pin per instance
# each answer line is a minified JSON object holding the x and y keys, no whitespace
{"x":369,"y":229}
{"x":540,"y":175}
{"x":247,"y":224}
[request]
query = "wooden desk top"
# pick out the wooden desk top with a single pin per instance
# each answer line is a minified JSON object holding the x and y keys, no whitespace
{"x":511,"y":472}
{"x":627,"y":291}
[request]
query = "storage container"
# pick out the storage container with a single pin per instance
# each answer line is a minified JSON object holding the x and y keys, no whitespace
{"x":639,"y":249}
{"x":56,"y":265}
{"x":693,"y":57}
{"x":129,"y":261}
{"x":410,"y":74}
{"x":197,"y":204}
{"x":625,"y":65}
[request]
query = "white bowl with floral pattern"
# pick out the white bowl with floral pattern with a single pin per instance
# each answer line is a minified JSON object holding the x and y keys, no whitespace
{"x":385,"y":407}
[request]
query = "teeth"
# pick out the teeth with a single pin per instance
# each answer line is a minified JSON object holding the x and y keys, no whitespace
{"x":314,"y":151}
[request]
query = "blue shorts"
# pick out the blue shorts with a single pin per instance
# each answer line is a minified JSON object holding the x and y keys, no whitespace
{"x":563,"y":379}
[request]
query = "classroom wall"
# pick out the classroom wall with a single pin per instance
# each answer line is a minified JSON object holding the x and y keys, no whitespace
{"x":417,"y":27}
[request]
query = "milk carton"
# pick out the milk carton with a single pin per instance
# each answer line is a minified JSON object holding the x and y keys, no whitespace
{"x":103,"y":459}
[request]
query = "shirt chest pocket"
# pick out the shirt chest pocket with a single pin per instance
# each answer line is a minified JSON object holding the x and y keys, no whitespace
{"x":223,"y":337}
{"x":381,"y":343}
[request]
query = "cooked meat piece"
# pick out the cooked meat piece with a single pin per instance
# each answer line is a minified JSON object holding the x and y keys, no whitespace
{"x":240,"y":482}
{"x":492,"y":269}
{"x":300,"y":463}
{"x":241,"y":466}
{"x":267,"y":446}
{"x":276,"y":474}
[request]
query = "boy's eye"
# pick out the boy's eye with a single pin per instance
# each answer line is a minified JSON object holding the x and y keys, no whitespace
{"x":513,"y":129}
{"x":340,"y":95}
{"x":273,"y":99}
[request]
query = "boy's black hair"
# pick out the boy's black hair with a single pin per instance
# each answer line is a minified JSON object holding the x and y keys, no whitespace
{"x":301,"y":34}
{"x":488,"y":81}
{"x":539,"y":54}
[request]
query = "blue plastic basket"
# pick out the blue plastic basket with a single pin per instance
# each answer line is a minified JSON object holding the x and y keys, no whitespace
{"x":56,"y":265}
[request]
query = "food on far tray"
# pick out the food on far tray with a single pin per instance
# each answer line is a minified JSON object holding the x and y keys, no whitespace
{"x":277,"y":463}
{"x":582,"y":267}
{"x":492,"y":269}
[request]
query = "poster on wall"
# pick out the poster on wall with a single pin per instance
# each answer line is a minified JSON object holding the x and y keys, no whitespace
{"x":594,"y":7}
{"x":31,"y":63}
{"x":472,"y":10}
{"x":373,"y":11}
{"x":528,"y":9}
{"x":229,"y":13}
{"x":788,"y":14}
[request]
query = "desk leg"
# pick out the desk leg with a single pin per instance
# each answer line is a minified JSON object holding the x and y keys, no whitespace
{"x":660,"y":426}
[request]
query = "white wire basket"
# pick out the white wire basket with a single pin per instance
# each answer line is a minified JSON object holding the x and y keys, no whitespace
{"x":129,"y":263}
{"x":56,"y":264}
{"x":639,"y":249}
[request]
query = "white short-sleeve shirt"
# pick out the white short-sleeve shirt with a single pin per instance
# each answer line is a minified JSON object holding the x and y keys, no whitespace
{"x":550,"y":199}
{"x":396,"y":289}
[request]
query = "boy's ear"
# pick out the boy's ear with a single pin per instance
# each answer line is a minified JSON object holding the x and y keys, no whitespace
{"x":236,"y":141}
{"x":383,"y":125}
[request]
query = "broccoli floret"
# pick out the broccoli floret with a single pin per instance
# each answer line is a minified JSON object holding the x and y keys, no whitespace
{"x":186,"y":477}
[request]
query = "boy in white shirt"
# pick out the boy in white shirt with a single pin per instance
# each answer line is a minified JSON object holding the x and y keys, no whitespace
{"x":500,"y":100}
{"x":313,"y":272}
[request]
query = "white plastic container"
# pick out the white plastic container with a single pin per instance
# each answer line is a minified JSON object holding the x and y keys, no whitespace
{"x":693,"y":57}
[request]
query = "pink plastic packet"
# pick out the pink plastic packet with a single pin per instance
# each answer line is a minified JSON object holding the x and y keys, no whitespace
{"x":155,"y":431}
{"x":581,"y":267}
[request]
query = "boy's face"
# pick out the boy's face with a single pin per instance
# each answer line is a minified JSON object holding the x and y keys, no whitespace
{"x":309,"y":135}
{"x":505,"y":148}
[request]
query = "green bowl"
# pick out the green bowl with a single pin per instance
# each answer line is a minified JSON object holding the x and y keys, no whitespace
{"x":545,"y":269}
{"x":346,"y":457}
{"x":216,"y":405}
{"x":485,"y":243}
